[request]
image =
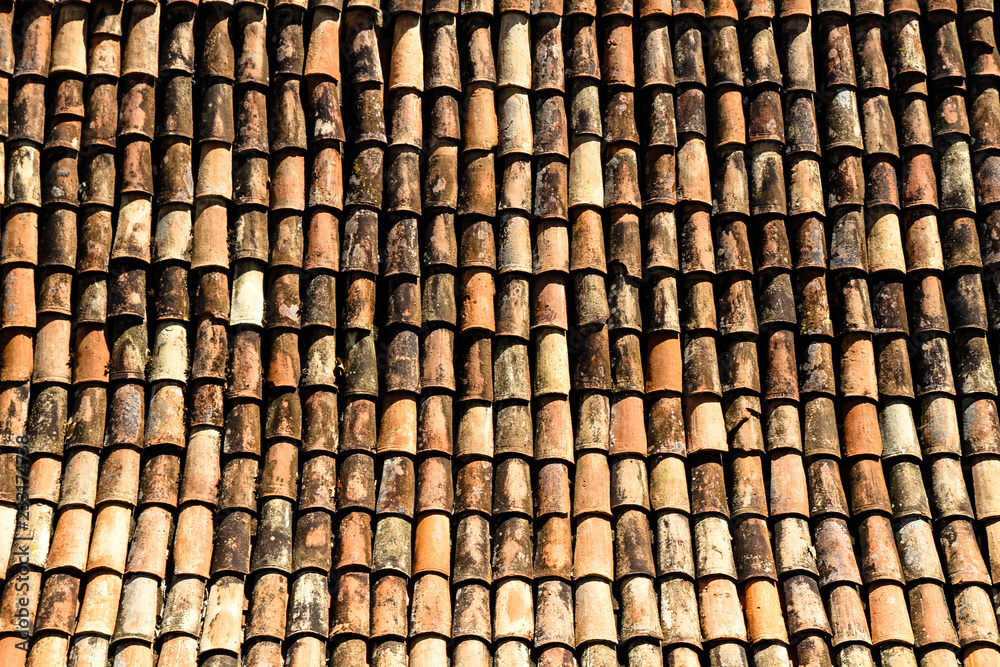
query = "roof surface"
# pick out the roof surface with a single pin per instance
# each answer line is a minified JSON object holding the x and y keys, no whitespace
{"x":537,"y":333}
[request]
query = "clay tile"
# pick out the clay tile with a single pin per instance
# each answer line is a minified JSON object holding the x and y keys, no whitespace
{"x":972,"y":363}
{"x":780,"y":375}
{"x":879,"y":559}
{"x":919,"y":187}
{"x":159,"y":484}
{"x":552,"y":489}
{"x":915,"y":125}
{"x":929,"y":312}
{"x":689,"y":7}
{"x":57,"y":607}
{"x":442,"y":172}
{"x":618,"y":63}
{"x":20,"y":239}
{"x":471,"y":550}
{"x":805,"y":607}
{"x":689,"y":63}
{"x":23,"y":186}
{"x":7,"y":39}
{"x":267,"y":612}
{"x":986,"y":503}
{"x":960,"y":249}
{"x":442,"y":52}
{"x":136,"y":170}
{"x":931,"y":620}
{"x":767,"y":181}
{"x":777,"y":304}
{"x":139,"y":56}
{"x":847,"y":618}
{"x":762,"y":55}
{"x":68,"y":100}
{"x":847,"y":242}
{"x":321,"y":364}
{"x":764,"y":618}
{"x":708,"y":493}
{"x":872,"y":72}
{"x":439,"y":299}
{"x":842,"y":121}
{"x":690,"y":112}
{"x":729,"y":126}
{"x":986,"y":172}
{"x":965,"y":564}
{"x":826,"y":490}
{"x":693,"y":183}
{"x":917,"y":550}
{"x":683,"y":628}
{"x":850,"y":300}
{"x":932,"y":367}
{"x":985,"y":115}
{"x":407,"y":129}
{"x":17,"y":358}
{"x":705,"y":424}
{"x":591,"y":423}
{"x":178,"y":45}
{"x":730,"y":185}
{"x":553,"y":423}
{"x":628,"y":484}
{"x":656,"y":57}
{"x":969,"y":310}
{"x":724,"y":64}
{"x":245,"y":365}
{"x":747,"y":495}
{"x":885,"y":603}
{"x":129,"y":352}
{"x":472,"y":620}
{"x":288,"y":123}
{"x":354,"y":545}
{"x":360,"y":365}
{"x":950,"y":116}
{"x":512,"y":556}
{"x":323,"y":57}
{"x":477,"y":196}
{"x":742,"y":417}
{"x":835,"y":51}
{"x":554,"y":622}
{"x":761,"y":9}
{"x":479,"y":66}
{"x":550,"y":132}
{"x":797,"y":48}
{"x":36,"y":40}
{"x":136,"y":110}
{"x":637,"y":616}
{"x":665,"y":316}
{"x":816,"y":368}
{"x":594,"y":617}
{"x":54,"y":292}
{"x":894,"y":367}
{"x":287,"y":177}
{"x":175,"y":115}
{"x":945,"y":47}
{"x":766,"y":122}
{"x":593,"y":485}
{"x":836,"y":561}
{"x":718,"y":607}
{"x":581,"y":53}
{"x":430,"y":615}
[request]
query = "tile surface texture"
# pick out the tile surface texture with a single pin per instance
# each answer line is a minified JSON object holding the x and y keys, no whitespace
{"x":504,"y":333}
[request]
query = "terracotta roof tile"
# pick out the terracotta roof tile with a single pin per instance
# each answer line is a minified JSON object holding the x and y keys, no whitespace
{"x":748,"y":424}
